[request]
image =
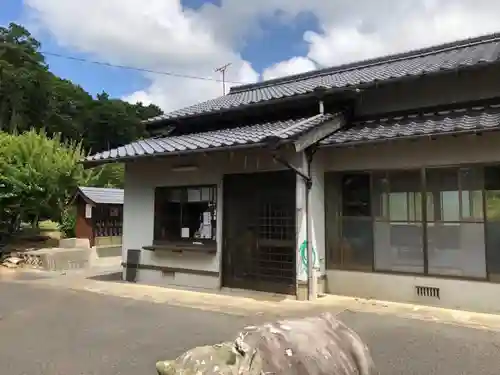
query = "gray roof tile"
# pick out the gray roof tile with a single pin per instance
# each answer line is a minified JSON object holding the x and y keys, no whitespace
{"x":478,"y":118}
{"x":443,"y":122}
{"x":250,"y":134}
{"x":451,"y":56}
{"x":102,"y":195}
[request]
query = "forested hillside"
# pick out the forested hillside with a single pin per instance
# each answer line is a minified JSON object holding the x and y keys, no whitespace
{"x":33,"y":97}
{"x":47,"y":126}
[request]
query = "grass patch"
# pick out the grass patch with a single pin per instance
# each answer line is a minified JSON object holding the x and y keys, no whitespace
{"x":49,"y":225}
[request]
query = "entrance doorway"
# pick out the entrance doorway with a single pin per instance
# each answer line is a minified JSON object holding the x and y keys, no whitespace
{"x":259,"y":232}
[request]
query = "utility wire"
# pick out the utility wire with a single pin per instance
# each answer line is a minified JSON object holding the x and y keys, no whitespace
{"x":144,"y":70}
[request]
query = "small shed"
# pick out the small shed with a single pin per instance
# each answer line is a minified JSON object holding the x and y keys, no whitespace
{"x":99,"y":215}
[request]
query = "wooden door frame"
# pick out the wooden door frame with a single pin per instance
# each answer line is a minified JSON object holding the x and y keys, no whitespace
{"x":227,"y":280}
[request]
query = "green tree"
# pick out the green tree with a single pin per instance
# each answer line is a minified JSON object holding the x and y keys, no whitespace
{"x":38,"y":176}
{"x":108,"y":176}
{"x":111,"y":124}
{"x":23,"y":79}
{"x":19,"y":48}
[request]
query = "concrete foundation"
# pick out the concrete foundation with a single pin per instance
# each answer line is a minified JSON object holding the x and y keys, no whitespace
{"x":108,"y":241}
{"x":100,"y":256}
{"x":448,"y":293}
{"x":302,"y":288}
{"x":75,"y":253}
{"x":178,"y":279}
{"x":72,"y":243}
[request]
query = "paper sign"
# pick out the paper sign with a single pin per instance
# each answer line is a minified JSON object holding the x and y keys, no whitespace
{"x":185,"y":232}
{"x":207,"y":218}
{"x":88,"y":211}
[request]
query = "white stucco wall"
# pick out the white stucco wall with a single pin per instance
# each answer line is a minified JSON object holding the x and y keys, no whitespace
{"x":138,"y":221}
{"x":446,"y":150}
{"x":141,"y":178}
{"x":317,"y":217}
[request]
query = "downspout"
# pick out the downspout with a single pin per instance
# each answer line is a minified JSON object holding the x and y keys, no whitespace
{"x":309,"y":154}
{"x":310,"y":266}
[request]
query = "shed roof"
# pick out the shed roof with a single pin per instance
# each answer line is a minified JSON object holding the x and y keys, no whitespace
{"x":101,"y":195}
{"x":458,"y":55}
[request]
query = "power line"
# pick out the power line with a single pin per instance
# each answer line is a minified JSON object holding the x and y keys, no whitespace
{"x":144,"y":70}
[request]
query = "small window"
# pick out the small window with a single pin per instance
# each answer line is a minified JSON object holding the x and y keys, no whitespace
{"x":185,"y":214}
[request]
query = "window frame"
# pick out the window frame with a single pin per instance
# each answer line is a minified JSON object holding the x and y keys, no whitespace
{"x":332,"y":219}
{"x":213,"y":199}
{"x":343,"y":218}
{"x":460,"y":190}
{"x":413,"y":213}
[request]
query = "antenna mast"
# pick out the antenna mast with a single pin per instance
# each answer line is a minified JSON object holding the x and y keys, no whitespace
{"x":222,"y":70}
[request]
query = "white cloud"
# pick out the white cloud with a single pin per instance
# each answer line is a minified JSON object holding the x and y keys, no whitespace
{"x":432,"y":23}
{"x":140,"y":96}
{"x":153,"y":34}
{"x":352,"y":30}
{"x":162,"y":35}
{"x":294,"y":65}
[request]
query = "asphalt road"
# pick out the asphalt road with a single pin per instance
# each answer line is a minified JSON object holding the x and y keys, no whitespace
{"x":50,"y":331}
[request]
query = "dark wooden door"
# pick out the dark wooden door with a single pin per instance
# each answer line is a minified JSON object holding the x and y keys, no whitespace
{"x":259,"y":232}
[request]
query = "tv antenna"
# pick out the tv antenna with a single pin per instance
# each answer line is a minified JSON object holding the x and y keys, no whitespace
{"x":222,"y":70}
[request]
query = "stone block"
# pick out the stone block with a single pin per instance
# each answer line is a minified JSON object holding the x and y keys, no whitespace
{"x":103,"y":241}
{"x":320,"y":345}
{"x":57,"y":259}
{"x":72,"y":243}
{"x":116,"y":240}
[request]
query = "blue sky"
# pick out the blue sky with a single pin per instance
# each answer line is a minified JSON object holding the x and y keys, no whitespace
{"x":262,"y":39}
{"x":118,"y":82}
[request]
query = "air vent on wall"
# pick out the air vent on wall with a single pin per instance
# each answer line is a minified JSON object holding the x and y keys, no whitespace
{"x":427,"y":291}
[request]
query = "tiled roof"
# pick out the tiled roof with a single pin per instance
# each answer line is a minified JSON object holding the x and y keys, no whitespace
{"x":477,"y":118}
{"x":451,"y":56}
{"x":444,"y":122}
{"x":102,"y":195}
{"x":244,"y":135}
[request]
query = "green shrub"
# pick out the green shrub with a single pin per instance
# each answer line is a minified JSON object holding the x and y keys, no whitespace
{"x":67,"y":225}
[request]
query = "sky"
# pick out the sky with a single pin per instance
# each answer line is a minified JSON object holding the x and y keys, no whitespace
{"x":261,"y":39}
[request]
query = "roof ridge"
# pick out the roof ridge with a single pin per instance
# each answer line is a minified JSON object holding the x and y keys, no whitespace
{"x":419,"y":52}
{"x":298,"y":124}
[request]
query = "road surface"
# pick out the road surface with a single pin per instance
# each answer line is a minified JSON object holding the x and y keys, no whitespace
{"x":54,"y":331}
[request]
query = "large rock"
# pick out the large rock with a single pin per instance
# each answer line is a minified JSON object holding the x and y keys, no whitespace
{"x":319,"y":345}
